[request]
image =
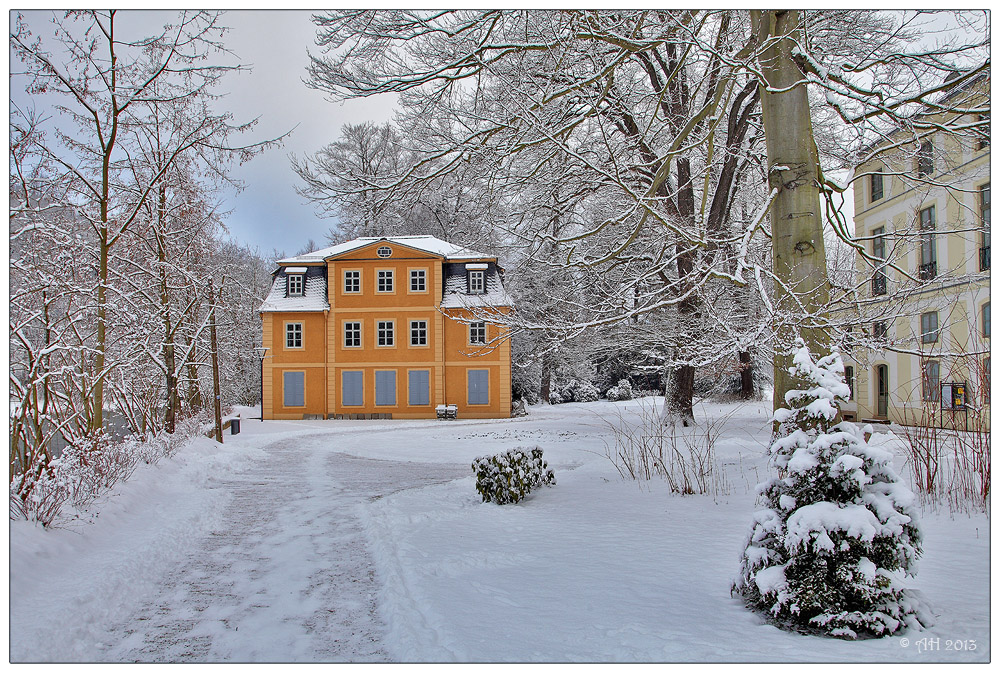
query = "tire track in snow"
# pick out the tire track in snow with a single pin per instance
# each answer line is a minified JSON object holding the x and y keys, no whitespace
{"x":287,"y":576}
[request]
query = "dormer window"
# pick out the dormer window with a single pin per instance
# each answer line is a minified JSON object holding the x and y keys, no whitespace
{"x":296,"y":281}
{"x":477,"y":278}
{"x":477,"y":282}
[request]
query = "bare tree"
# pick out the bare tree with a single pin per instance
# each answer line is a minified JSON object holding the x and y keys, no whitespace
{"x":644,"y":104}
{"x":105,"y":87}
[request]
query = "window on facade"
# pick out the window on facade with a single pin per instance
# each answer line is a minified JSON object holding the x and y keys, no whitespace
{"x":352,"y":334}
{"x":385,"y":280}
{"x":418,"y":280}
{"x":385,"y":333}
{"x":479,"y":386}
{"x":477,"y":332}
{"x":931,"y":381}
{"x":878,"y":252}
{"x":352,"y":389}
{"x":385,"y":388}
{"x":293,"y":389}
{"x":876,"y":184}
{"x":352,"y":282}
{"x":929,"y":327}
{"x":849,"y":376}
{"x":293,"y":335}
{"x":984,"y":217}
{"x":384,"y":251}
{"x":986,"y":320}
{"x":477,"y":282}
{"x":925,"y":158}
{"x":880,"y":330}
{"x":928,"y":245}
{"x":295,"y":285}
{"x":418,"y":332}
{"x":418,"y":387}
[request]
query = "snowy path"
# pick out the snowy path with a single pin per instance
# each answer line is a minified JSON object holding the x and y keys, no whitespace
{"x":287,"y":575}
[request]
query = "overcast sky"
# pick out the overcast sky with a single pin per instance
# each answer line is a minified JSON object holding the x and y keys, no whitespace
{"x":269,"y":214}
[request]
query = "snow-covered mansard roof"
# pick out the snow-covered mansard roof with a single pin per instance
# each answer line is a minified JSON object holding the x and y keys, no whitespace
{"x":456,"y":294}
{"x":313,"y":298}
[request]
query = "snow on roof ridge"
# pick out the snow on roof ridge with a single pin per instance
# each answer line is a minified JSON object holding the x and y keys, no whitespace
{"x":453,"y":250}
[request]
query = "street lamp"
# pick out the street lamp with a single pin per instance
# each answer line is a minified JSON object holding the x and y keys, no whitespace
{"x":261,"y":353}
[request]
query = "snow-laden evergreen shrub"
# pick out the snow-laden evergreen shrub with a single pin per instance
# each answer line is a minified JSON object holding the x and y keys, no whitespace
{"x":621,"y":391}
{"x":585,"y":391}
{"x":509,"y":476}
{"x":838,"y":534}
{"x":577,"y":390}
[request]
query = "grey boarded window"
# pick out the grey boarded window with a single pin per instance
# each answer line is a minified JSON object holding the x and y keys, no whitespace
{"x":352,"y":389}
{"x":479,"y":386}
{"x":294,"y":389}
{"x":420,"y":387}
{"x":385,"y":389}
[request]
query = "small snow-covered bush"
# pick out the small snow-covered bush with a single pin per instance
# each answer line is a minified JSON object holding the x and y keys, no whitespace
{"x":838,"y":534}
{"x":585,"y":391}
{"x":621,"y":391}
{"x":507,"y":477}
{"x":577,"y":390}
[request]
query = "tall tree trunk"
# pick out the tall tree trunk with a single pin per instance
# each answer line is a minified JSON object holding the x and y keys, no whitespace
{"x":799,"y":260}
{"x":97,"y":405}
{"x":746,"y":376}
{"x":681,"y":392}
{"x":546,"y":387}
{"x":169,"y":359}
{"x":215,"y":366}
{"x":194,"y":399}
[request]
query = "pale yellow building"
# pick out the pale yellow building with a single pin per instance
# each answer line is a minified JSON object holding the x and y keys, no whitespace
{"x":921,"y":342}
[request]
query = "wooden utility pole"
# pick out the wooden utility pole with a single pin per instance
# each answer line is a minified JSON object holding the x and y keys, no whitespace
{"x":802,"y":289}
{"x":215,"y":364}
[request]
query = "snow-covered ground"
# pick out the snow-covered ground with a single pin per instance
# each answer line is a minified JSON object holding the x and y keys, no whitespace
{"x":366,"y":541}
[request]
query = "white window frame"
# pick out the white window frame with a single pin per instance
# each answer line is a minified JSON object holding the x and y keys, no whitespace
{"x":296,"y":284}
{"x":352,"y":279}
{"x":384,"y":333}
{"x":385,"y":278}
{"x":477,"y":281}
{"x":416,"y":328}
{"x":474,"y":329}
{"x":294,"y":331}
{"x":348,"y":324}
{"x":420,"y":276}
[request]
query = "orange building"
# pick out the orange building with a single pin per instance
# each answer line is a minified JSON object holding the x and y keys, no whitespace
{"x":389,"y":327}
